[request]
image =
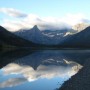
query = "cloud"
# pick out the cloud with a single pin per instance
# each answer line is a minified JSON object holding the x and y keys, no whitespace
{"x":42,"y":71}
{"x":43,"y":23}
{"x":12,"y":82}
{"x":15,"y":25}
{"x":12,"y":12}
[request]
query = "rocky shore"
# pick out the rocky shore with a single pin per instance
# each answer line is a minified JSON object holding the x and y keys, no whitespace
{"x":80,"y":81}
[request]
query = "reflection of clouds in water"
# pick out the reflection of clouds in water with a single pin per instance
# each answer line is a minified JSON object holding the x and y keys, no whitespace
{"x":12,"y":82}
{"x":42,"y":71}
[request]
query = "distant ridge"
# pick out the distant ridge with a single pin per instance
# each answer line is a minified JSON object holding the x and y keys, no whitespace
{"x":46,"y":37}
{"x":81,"y":39}
{"x":26,"y":38}
{"x":9,"y":38}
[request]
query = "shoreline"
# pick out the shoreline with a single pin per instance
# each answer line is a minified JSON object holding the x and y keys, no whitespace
{"x":80,"y":81}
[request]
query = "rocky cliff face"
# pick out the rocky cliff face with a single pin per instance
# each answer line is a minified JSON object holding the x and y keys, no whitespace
{"x":81,"y":26}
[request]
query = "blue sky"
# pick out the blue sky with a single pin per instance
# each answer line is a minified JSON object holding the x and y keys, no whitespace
{"x":48,"y":7}
{"x":54,"y":12}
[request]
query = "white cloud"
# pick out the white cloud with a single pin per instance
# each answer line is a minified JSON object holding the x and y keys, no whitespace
{"x":30,"y":20}
{"x":42,"y":71}
{"x":12,"y":12}
{"x":12,"y":82}
{"x":15,"y":25}
{"x":73,"y":19}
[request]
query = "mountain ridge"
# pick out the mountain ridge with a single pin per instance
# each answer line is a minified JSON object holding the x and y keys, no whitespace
{"x":77,"y":40}
{"x":42,"y":37}
{"x":81,"y":39}
{"x":9,"y":38}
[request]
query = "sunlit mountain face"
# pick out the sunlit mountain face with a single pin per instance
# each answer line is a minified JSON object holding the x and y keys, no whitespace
{"x":81,"y":26}
{"x":42,"y":68}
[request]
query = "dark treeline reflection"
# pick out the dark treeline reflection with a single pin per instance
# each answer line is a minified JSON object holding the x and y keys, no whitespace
{"x":12,"y":55}
{"x":40,"y":69}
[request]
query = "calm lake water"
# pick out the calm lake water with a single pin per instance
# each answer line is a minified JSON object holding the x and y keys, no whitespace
{"x":39,"y":70}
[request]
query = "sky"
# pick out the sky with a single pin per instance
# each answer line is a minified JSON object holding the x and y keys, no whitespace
{"x":41,"y":12}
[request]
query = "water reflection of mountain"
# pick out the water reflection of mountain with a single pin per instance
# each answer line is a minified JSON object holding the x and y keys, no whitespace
{"x":10,"y":56}
{"x":42,"y":64}
{"x":47,"y":57}
{"x":33,"y":66}
{"x":55,"y":57}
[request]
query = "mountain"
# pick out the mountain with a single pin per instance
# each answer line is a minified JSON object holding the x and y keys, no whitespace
{"x":81,"y":39}
{"x":9,"y":38}
{"x":81,"y":26}
{"x":0,"y":44}
{"x":46,"y":37}
{"x":54,"y":32}
{"x":33,"y":35}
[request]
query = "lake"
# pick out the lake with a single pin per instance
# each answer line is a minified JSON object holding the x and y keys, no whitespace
{"x":39,"y":70}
